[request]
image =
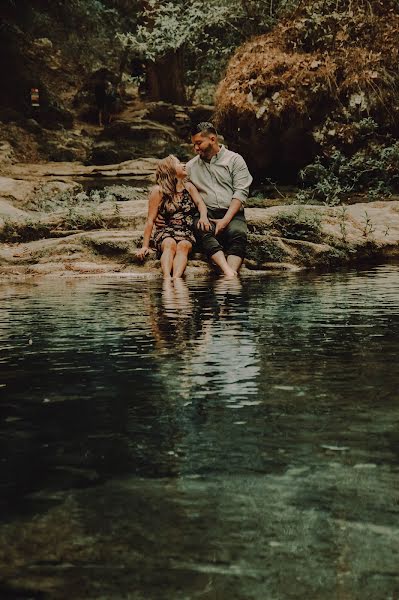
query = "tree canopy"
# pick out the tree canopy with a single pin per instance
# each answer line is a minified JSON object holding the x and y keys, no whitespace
{"x":204,"y":34}
{"x":324,"y":79}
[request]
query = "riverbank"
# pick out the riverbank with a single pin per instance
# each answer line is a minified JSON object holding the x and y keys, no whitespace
{"x":67,"y":219}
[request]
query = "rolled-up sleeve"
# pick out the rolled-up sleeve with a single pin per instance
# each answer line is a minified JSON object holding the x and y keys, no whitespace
{"x":242,"y":179}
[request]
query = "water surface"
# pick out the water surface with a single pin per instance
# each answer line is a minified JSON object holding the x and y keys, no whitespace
{"x":203,"y":439}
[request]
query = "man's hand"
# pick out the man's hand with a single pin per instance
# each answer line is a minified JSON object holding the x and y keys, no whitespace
{"x":142,"y":252}
{"x":160,"y":222}
{"x":221,"y":224}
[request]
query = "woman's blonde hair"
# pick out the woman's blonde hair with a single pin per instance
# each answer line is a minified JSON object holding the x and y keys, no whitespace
{"x":165,"y":177}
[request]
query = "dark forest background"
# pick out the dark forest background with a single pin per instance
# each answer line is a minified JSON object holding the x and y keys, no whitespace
{"x":308,"y":91}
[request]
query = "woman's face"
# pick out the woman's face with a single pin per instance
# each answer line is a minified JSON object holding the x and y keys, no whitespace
{"x":181,"y":172}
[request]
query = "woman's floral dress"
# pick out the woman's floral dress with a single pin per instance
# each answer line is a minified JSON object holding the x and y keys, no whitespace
{"x":179,"y":225}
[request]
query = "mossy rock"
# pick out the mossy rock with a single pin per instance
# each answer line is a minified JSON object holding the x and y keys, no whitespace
{"x":265,"y":248}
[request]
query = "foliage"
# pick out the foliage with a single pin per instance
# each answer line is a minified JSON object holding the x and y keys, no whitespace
{"x":45,"y":200}
{"x":264,"y":248}
{"x":24,"y":231}
{"x":71,"y":210}
{"x":326,"y":74}
{"x":83,"y":220}
{"x":332,"y":179}
{"x":323,"y":52}
{"x":207,"y":32}
{"x":82,"y":33}
{"x":299,"y":225}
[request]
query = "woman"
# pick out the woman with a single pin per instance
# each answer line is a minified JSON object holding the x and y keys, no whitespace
{"x":178,"y":202}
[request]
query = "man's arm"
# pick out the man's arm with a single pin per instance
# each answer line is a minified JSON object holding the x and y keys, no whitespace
{"x":234,"y":208}
{"x":241,"y":180}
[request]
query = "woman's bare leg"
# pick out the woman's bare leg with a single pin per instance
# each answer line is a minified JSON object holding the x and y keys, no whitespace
{"x":181,"y":257}
{"x":168,"y":248}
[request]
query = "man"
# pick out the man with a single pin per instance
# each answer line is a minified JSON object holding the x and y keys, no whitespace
{"x":106,"y":100}
{"x":222,"y":178}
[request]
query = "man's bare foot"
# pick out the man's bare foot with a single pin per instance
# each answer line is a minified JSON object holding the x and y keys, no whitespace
{"x":229,"y":273}
{"x":227,"y":285}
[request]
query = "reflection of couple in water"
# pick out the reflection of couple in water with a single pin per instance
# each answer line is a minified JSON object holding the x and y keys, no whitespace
{"x":202,"y":201}
{"x":180,"y":314}
{"x":197,"y":329}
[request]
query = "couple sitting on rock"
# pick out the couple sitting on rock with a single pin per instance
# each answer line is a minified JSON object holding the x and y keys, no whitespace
{"x":200,"y":201}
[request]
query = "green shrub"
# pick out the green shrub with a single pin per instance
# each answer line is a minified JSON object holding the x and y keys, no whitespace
{"x":332,"y":179}
{"x":84,"y":220}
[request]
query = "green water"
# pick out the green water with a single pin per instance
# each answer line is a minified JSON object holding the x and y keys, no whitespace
{"x":203,"y":439}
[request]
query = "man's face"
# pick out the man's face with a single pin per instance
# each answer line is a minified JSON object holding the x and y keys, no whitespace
{"x":204,"y":145}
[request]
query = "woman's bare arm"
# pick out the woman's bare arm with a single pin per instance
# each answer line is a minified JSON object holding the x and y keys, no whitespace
{"x":154,"y":201}
{"x":203,"y":222}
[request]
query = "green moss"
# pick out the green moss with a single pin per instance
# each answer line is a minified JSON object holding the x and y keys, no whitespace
{"x":264,"y":248}
{"x":24,"y":231}
{"x":299,"y":225}
{"x":108,"y":247}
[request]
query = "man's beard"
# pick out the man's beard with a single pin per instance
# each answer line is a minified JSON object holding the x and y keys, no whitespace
{"x":206,"y":154}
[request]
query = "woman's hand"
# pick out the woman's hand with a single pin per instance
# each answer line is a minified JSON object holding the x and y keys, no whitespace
{"x":203,"y":223}
{"x":142,"y":252}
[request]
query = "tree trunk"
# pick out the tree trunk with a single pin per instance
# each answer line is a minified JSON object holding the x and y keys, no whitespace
{"x":165,"y":79}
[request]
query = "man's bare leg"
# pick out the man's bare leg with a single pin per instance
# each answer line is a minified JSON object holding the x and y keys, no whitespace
{"x":220,"y":260}
{"x":234,"y":262}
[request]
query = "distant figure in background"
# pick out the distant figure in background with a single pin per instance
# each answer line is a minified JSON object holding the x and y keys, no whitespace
{"x":34,"y":98}
{"x":138,"y":70}
{"x":106,"y":101}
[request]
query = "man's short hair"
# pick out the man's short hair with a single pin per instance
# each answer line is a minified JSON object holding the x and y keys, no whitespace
{"x":204,"y":127}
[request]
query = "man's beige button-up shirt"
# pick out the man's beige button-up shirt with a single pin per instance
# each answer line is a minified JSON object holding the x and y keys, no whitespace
{"x":225,"y":177}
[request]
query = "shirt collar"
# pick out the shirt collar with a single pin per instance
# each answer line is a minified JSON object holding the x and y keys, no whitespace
{"x":217,"y":156}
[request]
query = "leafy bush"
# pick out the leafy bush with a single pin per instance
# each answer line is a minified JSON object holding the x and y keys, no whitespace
{"x":332,"y":179}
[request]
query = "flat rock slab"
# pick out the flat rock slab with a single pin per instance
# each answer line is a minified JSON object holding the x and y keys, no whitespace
{"x":340,"y":235}
{"x":140,"y":167}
